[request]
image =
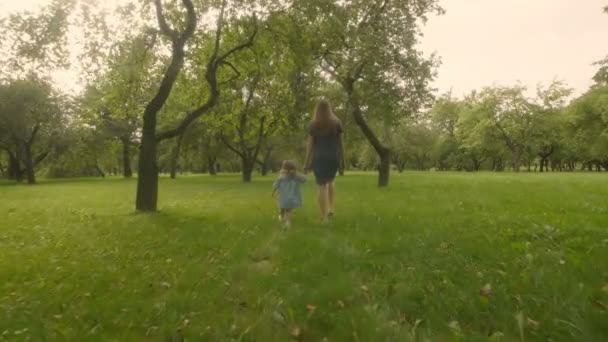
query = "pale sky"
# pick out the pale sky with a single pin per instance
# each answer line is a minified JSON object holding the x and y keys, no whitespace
{"x":486,"y":42}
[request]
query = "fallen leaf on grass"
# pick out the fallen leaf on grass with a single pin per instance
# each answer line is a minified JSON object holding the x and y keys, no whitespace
{"x":486,"y":290}
{"x":295,"y":331}
{"x":165,"y":284}
{"x":278,"y":317}
{"x":454,"y":325}
{"x":364,"y":288}
{"x":402,"y":318}
{"x":340,"y":303}
{"x":532,"y":323}
{"x":311,"y":310}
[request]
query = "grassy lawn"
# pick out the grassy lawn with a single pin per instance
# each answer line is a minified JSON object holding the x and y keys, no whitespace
{"x":435,"y":257}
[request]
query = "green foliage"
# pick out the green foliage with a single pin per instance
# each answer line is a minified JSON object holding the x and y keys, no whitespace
{"x":588,"y":119}
{"x":408,"y":263}
{"x":601,"y":76}
{"x":35,"y":42}
{"x":32,"y":120}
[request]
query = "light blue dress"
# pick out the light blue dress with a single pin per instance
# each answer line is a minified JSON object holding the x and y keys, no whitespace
{"x":288,"y":187}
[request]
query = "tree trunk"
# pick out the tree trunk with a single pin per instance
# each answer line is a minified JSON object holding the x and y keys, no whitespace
{"x":175,"y":156}
{"x":264,"y":169}
{"x":247,"y":169}
{"x":29,"y":165}
{"x":400,"y":165}
{"x":477,"y":163}
{"x":211,"y":165}
{"x":99,"y":170}
{"x":516,"y":160}
{"x":383,"y":152}
{"x":14,"y":168}
{"x":384,"y":169}
{"x":543,"y":161}
{"x":127,"y":171}
{"x":147,"y":170}
{"x":265,"y":164}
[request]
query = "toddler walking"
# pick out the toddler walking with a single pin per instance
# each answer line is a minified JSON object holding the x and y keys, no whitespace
{"x":287,"y":186}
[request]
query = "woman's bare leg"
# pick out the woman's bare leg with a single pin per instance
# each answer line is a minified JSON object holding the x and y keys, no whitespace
{"x":323,"y":200}
{"x":331,"y":197}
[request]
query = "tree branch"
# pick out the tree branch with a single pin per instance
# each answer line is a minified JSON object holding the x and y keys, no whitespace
{"x":230,"y":147}
{"x":243,"y":45}
{"x":366,"y":18}
{"x":218,"y":33}
{"x":236,"y":71}
{"x":175,"y":66}
{"x":162,"y":21}
{"x":258,"y":143}
{"x":211,"y":77}
{"x":40,"y":158}
{"x":359,"y":70}
{"x":33,"y":134}
{"x":190,"y":21}
{"x":349,"y":85}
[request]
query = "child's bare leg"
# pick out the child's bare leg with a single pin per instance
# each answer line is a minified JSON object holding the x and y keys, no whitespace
{"x":287,"y":218}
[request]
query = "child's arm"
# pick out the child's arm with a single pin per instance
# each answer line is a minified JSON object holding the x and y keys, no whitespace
{"x":300,"y":178}
{"x":275,"y":187}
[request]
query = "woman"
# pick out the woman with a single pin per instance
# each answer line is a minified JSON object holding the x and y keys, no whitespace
{"x":325,"y":155}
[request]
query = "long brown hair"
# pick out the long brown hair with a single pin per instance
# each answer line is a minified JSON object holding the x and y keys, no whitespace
{"x":325,"y":121}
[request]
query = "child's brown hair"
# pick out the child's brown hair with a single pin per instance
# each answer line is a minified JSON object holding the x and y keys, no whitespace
{"x":288,"y":168}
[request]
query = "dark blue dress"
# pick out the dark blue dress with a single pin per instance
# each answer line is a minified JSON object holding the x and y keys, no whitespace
{"x":326,"y":153}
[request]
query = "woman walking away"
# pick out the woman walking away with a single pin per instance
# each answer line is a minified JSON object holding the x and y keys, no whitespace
{"x":325,"y":155}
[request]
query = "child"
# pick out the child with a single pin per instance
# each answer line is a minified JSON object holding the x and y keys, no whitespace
{"x":288,"y":187}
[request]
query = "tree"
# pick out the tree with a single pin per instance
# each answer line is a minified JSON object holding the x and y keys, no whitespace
{"x":601,"y":76}
{"x":116,"y":98}
{"x":29,"y":116}
{"x":547,"y":120}
{"x":35,"y":43}
{"x":147,"y":182}
{"x":507,"y":111}
{"x":588,"y":124}
{"x":474,"y":133}
{"x":444,"y":118}
{"x":370,"y":49}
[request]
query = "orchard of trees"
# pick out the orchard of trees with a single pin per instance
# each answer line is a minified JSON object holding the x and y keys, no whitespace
{"x":229,"y":86}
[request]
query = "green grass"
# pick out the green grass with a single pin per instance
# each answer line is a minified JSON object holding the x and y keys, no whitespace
{"x":400,"y":264}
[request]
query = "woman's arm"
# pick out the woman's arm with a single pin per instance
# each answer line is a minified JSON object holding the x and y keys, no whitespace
{"x":341,"y":148}
{"x":309,"y":153}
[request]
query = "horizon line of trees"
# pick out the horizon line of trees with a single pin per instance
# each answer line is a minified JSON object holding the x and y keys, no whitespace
{"x":169,"y":92}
